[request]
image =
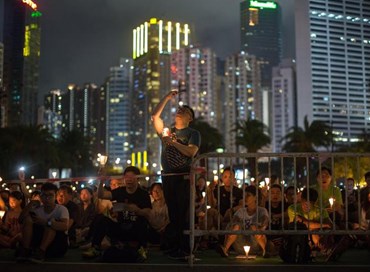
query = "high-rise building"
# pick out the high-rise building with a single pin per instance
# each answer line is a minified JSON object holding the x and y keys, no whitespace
{"x":242,"y":94}
{"x":21,"y":37}
{"x":333,"y":65}
{"x":260,"y":34}
{"x":153,"y":43}
{"x":119,"y":101}
{"x":2,"y":91}
{"x":51,"y":113}
{"x":283,"y":106}
{"x":197,"y":67}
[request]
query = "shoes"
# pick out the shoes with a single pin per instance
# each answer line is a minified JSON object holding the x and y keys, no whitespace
{"x":24,"y":255}
{"x":142,"y":255}
{"x":91,"y":253}
{"x":222,"y":251}
{"x":38,"y":256}
{"x":178,"y":255}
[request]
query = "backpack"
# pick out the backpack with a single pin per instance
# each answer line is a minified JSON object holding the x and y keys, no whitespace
{"x":296,"y":248}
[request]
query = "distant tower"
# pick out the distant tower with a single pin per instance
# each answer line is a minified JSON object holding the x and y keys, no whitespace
{"x":333,"y":65}
{"x":284,"y":106}
{"x":22,"y":35}
{"x":119,"y":101}
{"x":153,"y":43}
{"x":260,"y":34}
{"x":242,"y":94}
{"x":197,"y":67}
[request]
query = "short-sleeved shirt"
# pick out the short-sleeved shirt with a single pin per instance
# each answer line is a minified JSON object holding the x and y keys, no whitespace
{"x":313,"y":215}
{"x":331,"y":192}
{"x":225,"y":198}
{"x":259,"y":218}
{"x":59,"y":212}
{"x":173,"y":161}
{"x":140,"y":198}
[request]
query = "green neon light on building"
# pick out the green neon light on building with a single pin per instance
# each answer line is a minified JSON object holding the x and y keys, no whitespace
{"x":36,"y":14}
{"x":257,"y":4}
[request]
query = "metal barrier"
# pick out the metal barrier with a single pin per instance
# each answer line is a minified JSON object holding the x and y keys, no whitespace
{"x":287,"y":169}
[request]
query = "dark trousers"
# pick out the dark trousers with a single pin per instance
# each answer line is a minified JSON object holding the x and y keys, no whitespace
{"x":120,"y":232}
{"x":177,"y":194}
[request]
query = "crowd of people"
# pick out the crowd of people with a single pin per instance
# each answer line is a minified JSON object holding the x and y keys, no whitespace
{"x":117,"y":222}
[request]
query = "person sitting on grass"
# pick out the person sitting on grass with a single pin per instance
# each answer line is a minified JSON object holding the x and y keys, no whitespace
{"x":251,"y":217}
{"x":44,"y":232}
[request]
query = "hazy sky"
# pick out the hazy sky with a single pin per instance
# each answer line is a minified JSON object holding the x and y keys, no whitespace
{"x":81,"y":39}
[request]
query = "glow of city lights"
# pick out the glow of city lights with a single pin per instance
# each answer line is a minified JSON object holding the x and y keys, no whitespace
{"x":134,"y":44}
{"x":141,"y":39}
{"x":32,"y":4}
{"x":146,"y":37}
{"x":32,"y":177}
{"x":262,"y":5}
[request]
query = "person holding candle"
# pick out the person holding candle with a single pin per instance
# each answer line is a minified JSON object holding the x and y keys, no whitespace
{"x":326,"y":191}
{"x":250,"y":217}
{"x":179,"y":146}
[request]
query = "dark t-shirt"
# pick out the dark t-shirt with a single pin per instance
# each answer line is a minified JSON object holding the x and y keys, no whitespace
{"x":74,"y":213}
{"x":140,"y":197}
{"x":87,"y":215}
{"x":173,"y":161}
{"x":225,"y":198}
{"x":276,"y":223}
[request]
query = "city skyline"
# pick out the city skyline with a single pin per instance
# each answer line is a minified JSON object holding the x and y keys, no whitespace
{"x":72,"y":40}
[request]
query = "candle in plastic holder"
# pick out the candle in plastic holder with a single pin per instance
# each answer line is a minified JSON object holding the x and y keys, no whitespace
{"x":246,"y":250}
{"x":331,"y":201}
{"x":166,"y":132}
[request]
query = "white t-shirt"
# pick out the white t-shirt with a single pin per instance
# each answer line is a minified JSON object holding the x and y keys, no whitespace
{"x":59,"y":212}
{"x":259,"y":218}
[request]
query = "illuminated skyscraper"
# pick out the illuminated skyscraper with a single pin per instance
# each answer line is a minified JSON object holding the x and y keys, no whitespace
{"x":333,"y":65}
{"x":260,"y":34}
{"x":21,"y":61}
{"x":153,"y":43}
{"x":242,"y":94}
{"x":119,"y":101}
{"x":2,"y":92}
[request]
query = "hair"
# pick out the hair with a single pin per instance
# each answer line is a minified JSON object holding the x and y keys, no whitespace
{"x":367,"y":175}
{"x":276,"y":186}
{"x":191,"y":110}
{"x":66,"y":188}
{"x":253,"y":190}
{"x":48,"y":186}
{"x":291,"y":187}
{"x":91,"y":192}
{"x":228,"y":168}
{"x":132,"y":169}
{"x":323,"y":168}
{"x":155,"y":184}
{"x":18,"y":196}
{"x":309,"y":194}
{"x":35,"y":193}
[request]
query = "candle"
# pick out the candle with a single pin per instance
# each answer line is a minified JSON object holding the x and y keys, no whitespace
{"x":246,"y":250}
{"x":331,"y":201}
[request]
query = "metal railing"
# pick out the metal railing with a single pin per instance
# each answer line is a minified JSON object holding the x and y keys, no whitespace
{"x":287,"y":169}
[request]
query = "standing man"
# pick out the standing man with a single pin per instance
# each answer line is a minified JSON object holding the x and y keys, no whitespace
{"x":180,"y":144}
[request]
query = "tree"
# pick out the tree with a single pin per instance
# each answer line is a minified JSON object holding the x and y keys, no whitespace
{"x":252,"y":135}
{"x":309,"y":138}
{"x":211,"y":137}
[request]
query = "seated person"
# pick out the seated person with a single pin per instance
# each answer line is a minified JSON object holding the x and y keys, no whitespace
{"x":251,"y":217}
{"x":87,"y":213}
{"x":363,"y":223}
{"x":310,"y":214}
{"x":327,"y":190}
{"x":228,"y":191}
{"x":64,"y":197}
{"x":44,"y":228}
{"x":10,"y":229}
{"x":291,"y":196}
{"x":129,"y":227}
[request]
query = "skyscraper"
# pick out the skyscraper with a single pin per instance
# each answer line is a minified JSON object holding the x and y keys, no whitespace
{"x":242,"y":94}
{"x":119,"y":101}
{"x":260,"y":34}
{"x":333,"y":65}
{"x":21,"y":61}
{"x":153,"y":43}
{"x":283,"y":106}
{"x":197,"y":67}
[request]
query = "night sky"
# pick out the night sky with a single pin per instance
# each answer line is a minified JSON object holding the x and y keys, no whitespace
{"x":81,"y":39}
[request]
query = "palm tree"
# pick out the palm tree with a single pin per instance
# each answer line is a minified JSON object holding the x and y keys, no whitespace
{"x":211,"y":138}
{"x":252,"y":135}
{"x":309,"y":138}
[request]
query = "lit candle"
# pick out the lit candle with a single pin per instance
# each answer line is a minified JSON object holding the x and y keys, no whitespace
{"x":246,"y":250}
{"x":331,"y":201}
{"x":203,"y":194}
